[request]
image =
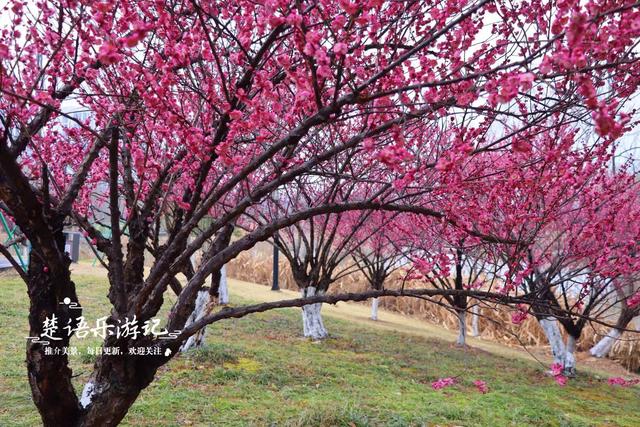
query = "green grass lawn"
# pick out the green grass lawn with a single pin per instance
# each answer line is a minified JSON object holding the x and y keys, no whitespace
{"x":258,"y":371}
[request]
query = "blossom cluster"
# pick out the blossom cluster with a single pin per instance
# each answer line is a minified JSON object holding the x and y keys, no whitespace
{"x":557,"y":370}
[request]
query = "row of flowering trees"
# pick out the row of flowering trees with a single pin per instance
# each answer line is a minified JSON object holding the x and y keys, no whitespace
{"x":575,"y":256}
{"x":481,"y":121}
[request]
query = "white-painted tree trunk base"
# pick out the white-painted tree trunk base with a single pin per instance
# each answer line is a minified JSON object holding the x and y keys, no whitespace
{"x":475,"y":320}
{"x":374,"y":308}
{"x":462,"y":329}
{"x":554,"y":337}
{"x":88,"y":392}
{"x":312,"y":324}
{"x":193,"y":259}
{"x":604,"y":346}
{"x":223,"y":290}
{"x":197,"y":340}
{"x":570,"y":358}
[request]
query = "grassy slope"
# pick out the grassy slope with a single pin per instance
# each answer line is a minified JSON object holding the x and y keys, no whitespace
{"x":257,"y":371}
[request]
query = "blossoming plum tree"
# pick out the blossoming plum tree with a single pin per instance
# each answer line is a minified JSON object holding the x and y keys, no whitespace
{"x":318,"y":249}
{"x":384,"y":250}
{"x":447,"y":260}
{"x":582,"y":258}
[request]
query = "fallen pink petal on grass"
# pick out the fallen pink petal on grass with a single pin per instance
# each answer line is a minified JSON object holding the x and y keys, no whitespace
{"x":481,"y":386}
{"x":442,"y":383}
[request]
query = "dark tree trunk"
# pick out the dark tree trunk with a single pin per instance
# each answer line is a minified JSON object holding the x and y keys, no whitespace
{"x":116,"y":383}
{"x":51,"y":293}
{"x":460,"y":302}
{"x":49,"y":374}
{"x":134,"y":264}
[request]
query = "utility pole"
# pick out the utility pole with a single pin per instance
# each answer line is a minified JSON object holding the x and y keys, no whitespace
{"x":275,"y":285}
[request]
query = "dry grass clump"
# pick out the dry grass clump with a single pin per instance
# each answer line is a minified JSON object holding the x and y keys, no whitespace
{"x":494,"y":321}
{"x":259,"y":269}
{"x":627,"y":353}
